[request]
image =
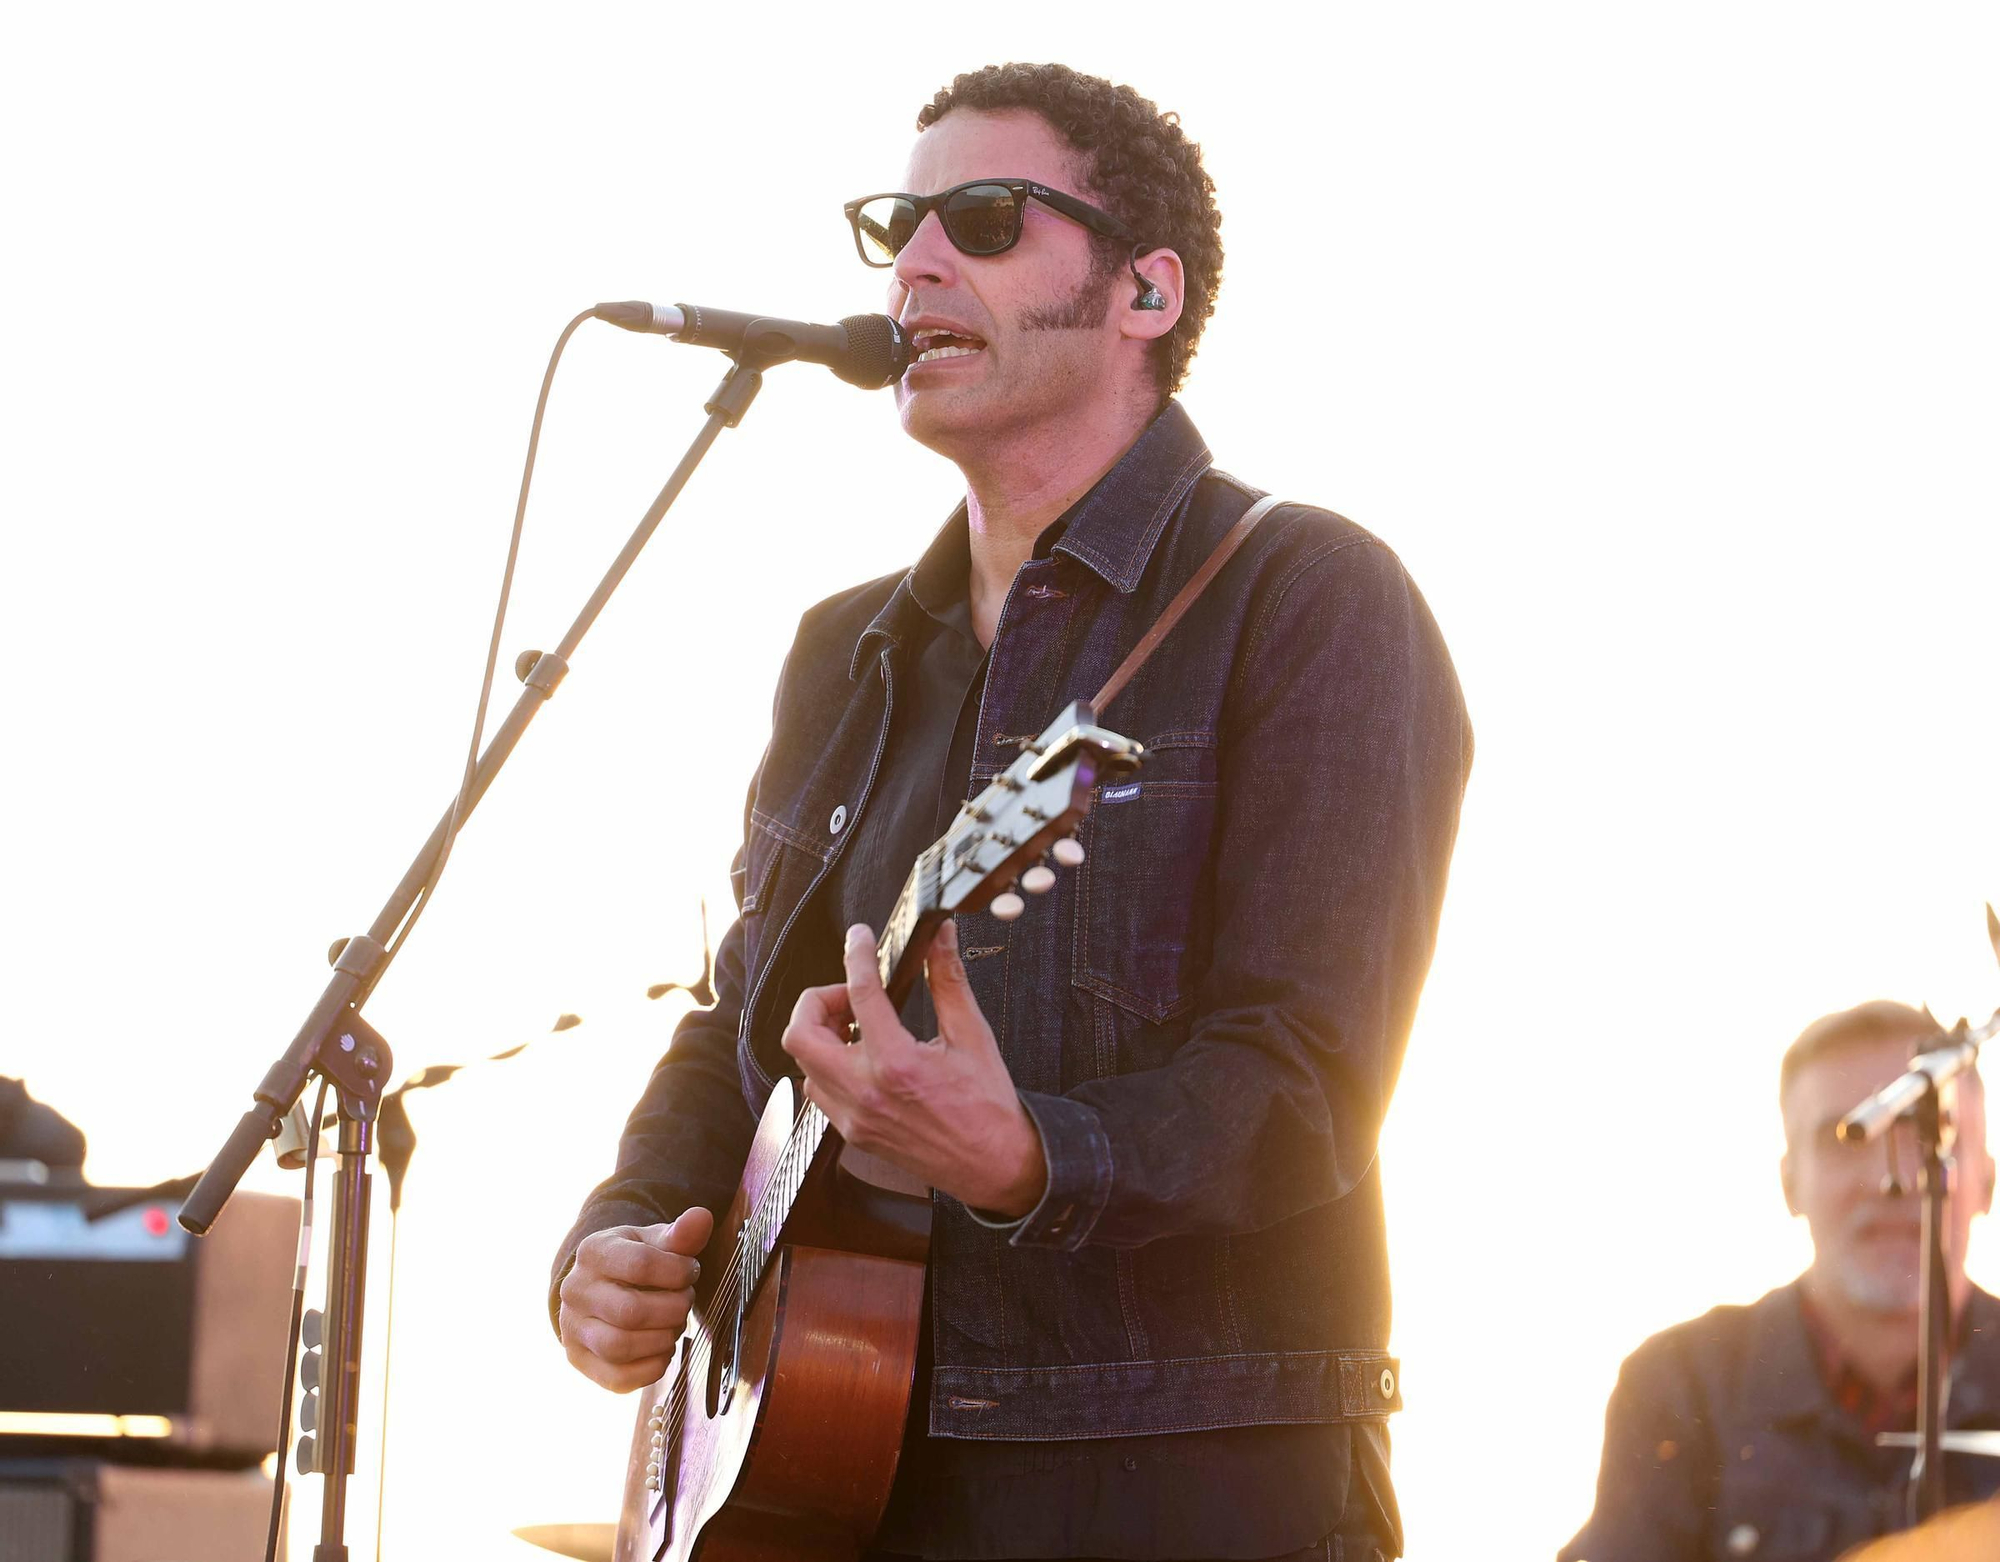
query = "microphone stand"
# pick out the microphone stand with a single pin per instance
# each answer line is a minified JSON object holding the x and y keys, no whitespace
{"x":1916,"y":1094}
{"x":342,"y":1048}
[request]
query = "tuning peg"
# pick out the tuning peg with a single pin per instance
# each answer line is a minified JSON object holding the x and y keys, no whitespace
{"x":1007,"y":906}
{"x":303,"y":1454}
{"x":1068,"y":851}
{"x":1038,"y":880}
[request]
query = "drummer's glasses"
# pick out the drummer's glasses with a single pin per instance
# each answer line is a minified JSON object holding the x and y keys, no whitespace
{"x":980,"y":217}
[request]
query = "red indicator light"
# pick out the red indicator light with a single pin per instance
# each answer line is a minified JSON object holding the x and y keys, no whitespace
{"x":156,"y":1221}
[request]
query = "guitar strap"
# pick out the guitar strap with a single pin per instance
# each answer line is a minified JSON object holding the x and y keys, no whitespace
{"x":1232,"y":539}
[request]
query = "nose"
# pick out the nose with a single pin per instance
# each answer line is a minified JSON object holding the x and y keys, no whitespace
{"x":928,"y":258}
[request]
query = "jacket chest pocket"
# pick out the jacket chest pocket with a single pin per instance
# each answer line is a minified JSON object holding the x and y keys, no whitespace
{"x":777,"y":868}
{"x":1778,"y":1504}
{"x":1140,"y":906}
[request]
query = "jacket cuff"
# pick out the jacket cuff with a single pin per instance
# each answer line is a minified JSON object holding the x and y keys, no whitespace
{"x":1078,"y":1153}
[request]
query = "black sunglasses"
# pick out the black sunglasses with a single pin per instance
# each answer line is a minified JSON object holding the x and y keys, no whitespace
{"x":980,"y":217}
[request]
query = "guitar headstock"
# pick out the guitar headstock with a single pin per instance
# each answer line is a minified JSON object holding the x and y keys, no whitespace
{"x":994,"y":849}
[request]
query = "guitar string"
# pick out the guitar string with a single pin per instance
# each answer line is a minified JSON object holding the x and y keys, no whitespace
{"x":927,"y":879}
{"x":726,"y":1297}
{"x":758,"y":1221}
{"x":925,"y":875}
{"x":701,"y":1349}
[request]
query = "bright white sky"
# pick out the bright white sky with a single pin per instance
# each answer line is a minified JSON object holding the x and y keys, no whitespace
{"x":1660,"y":341}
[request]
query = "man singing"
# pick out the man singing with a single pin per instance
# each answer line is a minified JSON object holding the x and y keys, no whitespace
{"x":1751,"y":1431}
{"x":1158,"y":1308}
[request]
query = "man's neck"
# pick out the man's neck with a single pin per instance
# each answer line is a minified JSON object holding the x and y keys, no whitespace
{"x":1013,"y":492}
{"x":1880,"y":1346}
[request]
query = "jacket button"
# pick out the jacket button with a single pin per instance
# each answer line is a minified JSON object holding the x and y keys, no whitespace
{"x":1388,"y":1384}
{"x":839,"y":820}
{"x":1742,"y":1540}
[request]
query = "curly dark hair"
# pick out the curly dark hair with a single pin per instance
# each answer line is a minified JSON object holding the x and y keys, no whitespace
{"x":1139,"y":166}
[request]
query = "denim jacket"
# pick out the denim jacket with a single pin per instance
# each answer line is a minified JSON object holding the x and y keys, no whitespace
{"x":1204,"y":1021}
{"x":1722,"y":1441}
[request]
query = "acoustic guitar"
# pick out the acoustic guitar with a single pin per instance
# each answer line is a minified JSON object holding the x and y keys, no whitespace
{"x":775,"y":1432}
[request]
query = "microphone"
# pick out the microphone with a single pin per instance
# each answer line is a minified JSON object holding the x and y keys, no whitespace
{"x":866,"y":350}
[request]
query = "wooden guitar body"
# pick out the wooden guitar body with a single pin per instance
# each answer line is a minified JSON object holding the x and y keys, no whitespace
{"x":781,"y":1442}
{"x":776,"y":1432}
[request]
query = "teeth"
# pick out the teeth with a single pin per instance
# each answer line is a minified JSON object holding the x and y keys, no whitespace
{"x":944,"y":352}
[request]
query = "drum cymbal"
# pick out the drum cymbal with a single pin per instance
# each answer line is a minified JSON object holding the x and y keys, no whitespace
{"x":585,"y":1542}
{"x":1987,"y":1443}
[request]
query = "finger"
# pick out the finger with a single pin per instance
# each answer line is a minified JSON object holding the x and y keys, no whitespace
{"x":824,"y":1008}
{"x":819,"y":1020}
{"x":958,"y":1012}
{"x":636,"y":1255}
{"x":644,"y":1264}
{"x":619,"y":1346}
{"x":620,"y":1379}
{"x":873,"y":1011}
{"x":690,"y":1232}
{"x":628,"y":1307}
{"x":834,"y":1071}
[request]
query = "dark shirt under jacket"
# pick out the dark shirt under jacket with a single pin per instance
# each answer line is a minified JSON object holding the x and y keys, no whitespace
{"x":1248,"y":1492}
{"x":1724,"y":1441}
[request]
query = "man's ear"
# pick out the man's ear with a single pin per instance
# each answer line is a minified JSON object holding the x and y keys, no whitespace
{"x":1785,"y":1177}
{"x":1160,"y":270}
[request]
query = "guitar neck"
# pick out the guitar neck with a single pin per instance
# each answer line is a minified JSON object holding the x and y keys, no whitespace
{"x":997,"y":839}
{"x":913,"y":922}
{"x":906,"y":937}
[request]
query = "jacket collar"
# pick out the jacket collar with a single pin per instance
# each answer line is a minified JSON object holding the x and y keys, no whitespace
{"x":1782,"y":1374}
{"x":1112,"y":530}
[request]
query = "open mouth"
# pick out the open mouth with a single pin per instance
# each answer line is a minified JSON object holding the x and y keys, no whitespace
{"x":935,"y":346}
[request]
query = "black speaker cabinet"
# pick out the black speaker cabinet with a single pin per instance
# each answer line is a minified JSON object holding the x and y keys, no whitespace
{"x":127,"y":1315}
{"x":88,"y":1510}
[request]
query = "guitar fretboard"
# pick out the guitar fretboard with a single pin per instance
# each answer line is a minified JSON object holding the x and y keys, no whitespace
{"x":904,"y":938}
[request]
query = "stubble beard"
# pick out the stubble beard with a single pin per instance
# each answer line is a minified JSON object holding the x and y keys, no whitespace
{"x":1872,"y":1283}
{"x":1874,"y":1290}
{"x":1082,"y":310}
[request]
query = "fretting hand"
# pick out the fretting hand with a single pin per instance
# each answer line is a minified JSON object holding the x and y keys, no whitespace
{"x":944,"y":1110}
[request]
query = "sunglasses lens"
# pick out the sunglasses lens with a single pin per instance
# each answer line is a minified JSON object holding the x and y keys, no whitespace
{"x":885,"y":225}
{"x":982,"y":219}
